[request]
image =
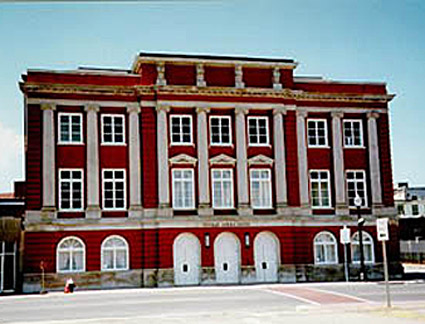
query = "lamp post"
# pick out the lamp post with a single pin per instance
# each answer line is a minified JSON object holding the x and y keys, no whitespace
{"x":360,"y":222}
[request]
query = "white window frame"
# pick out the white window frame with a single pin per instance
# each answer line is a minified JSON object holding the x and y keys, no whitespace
{"x":220,"y":131}
{"x":316,"y":120}
{"x":232,"y":203}
{"x":70,"y":141}
{"x":365,"y":205}
{"x":114,"y":255}
{"x":320,"y":181}
{"x":267,"y":183}
{"x":114,"y":189}
{"x":113,"y":143}
{"x":366,"y":236}
{"x":3,"y":255}
{"x":71,"y":180}
{"x":58,"y":250}
{"x":180,"y":116}
{"x":257,"y":118}
{"x":325,"y":245}
{"x":352,"y":122}
{"x":192,"y":206}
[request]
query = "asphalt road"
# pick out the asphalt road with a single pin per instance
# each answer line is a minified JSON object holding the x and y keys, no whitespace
{"x":277,"y":303}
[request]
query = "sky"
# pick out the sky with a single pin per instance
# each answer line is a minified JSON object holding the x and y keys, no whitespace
{"x":363,"y":40}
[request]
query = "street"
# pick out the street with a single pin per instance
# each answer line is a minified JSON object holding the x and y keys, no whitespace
{"x":274,"y":303}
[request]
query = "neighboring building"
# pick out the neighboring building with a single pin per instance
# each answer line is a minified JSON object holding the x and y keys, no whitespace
{"x":12,"y":209}
{"x":190,"y":170}
{"x":410,"y":203}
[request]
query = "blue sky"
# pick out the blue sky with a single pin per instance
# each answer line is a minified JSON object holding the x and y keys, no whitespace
{"x":340,"y":39}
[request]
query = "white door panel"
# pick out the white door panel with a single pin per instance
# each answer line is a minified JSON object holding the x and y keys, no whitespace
{"x":187,"y":260}
{"x":227,"y":258}
{"x":266,"y":255}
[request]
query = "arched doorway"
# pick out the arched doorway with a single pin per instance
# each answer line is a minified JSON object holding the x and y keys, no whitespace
{"x":267,"y":257}
{"x":187,"y":260}
{"x":227,"y":258}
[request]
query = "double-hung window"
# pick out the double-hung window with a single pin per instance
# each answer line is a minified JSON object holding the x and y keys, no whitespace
{"x":222,"y":188}
{"x":258,"y":131}
{"x":320,"y":189}
{"x":317,"y":133}
{"x":183,"y":189}
{"x":356,"y":186}
{"x":113,"y":129}
{"x":220,"y":130}
{"x":71,"y":189}
{"x":70,"y":128}
{"x":261,"y":188}
{"x":181,"y":129}
{"x":114,"y":189}
{"x":353,"y":133}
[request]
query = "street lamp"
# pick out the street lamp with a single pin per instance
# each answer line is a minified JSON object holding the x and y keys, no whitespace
{"x":360,"y":222}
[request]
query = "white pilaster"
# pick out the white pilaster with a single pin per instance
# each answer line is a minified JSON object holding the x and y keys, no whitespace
{"x":160,"y":78}
{"x":93,"y":204}
{"x":242,"y":163}
{"x":162,"y":156}
{"x":280,"y":164}
{"x":135,"y":208}
{"x":374,"y":161}
{"x":302,"y":159}
{"x":239,"y":77}
{"x":49,"y":171}
{"x":276,"y":79}
{"x":341,"y":207}
{"x":200,"y":79}
{"x":203,"y":170}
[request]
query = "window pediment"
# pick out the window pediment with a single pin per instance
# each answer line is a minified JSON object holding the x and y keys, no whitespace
{"x":260,"y":160}
{"x":222,"y":159}
{"x":183,"y":159}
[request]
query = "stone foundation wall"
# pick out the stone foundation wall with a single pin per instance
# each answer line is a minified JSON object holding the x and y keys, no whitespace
{"x":165,"y":277}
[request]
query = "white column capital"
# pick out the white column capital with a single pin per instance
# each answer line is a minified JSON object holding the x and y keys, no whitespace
{"x":241,"y":110}
{"x":48,"y":106}
{"x":279,"y":111}
{"x":239,"y":77}
{"x":200,"y":110}
{"x":160,"y":79}
{"x":161,"y":107}
{"x":337,"y":114}
{"x":133,"y":108}
{"x":91,"y":107}
{"x":302,"y":113}
{"x":372,"y":115}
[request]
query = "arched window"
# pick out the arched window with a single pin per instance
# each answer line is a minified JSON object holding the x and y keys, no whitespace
{"x":71,"y":255}
{"x":325,"y":249}
{"x":368,"y":251}
{"x":114,"y":254}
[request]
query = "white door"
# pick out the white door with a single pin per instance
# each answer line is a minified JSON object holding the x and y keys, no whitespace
{"x":187,"y":260}
{"x":266,"y":255}
{"x":227,"y":258}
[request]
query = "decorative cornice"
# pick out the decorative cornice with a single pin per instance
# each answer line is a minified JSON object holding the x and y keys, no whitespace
{"x":183,"y":159}
{"x":222,"y":159}
{"x":260,"y":160}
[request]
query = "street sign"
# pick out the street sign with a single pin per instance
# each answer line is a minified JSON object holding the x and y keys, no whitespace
{"x":382,"y":229}
{"x":345,"y":235}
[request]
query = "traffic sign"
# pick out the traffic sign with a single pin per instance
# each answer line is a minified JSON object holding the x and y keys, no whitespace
{"x":382,"y":229}
{"x":345,"y":235}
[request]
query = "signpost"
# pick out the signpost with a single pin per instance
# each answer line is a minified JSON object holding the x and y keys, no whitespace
{"x":345,"y":235}
{"x":383,"y":236}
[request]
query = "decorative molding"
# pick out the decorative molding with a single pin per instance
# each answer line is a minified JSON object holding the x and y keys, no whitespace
{"x":373,"y":115}
{"x":200,"y":79}
{"x":241,"y":110}
{"x":183,"y":159}
{"x":133,"y":108}
{"x":222,"y":159}
{"x":91,"y":107}
{"x":279,"y":110}
{"x":260,"y":160}
{"x":162,"y":107}
{"x":239,"y":84}
{"x":302,"y":113}
{"x":337,"y":114}
{"x":276,"y":79}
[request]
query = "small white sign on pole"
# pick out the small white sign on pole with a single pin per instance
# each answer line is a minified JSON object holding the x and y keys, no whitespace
{"x":382,"y":229}
{"x":345,"y":235}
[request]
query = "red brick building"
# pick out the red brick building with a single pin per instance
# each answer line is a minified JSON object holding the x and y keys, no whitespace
{"x":190,"y":170}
